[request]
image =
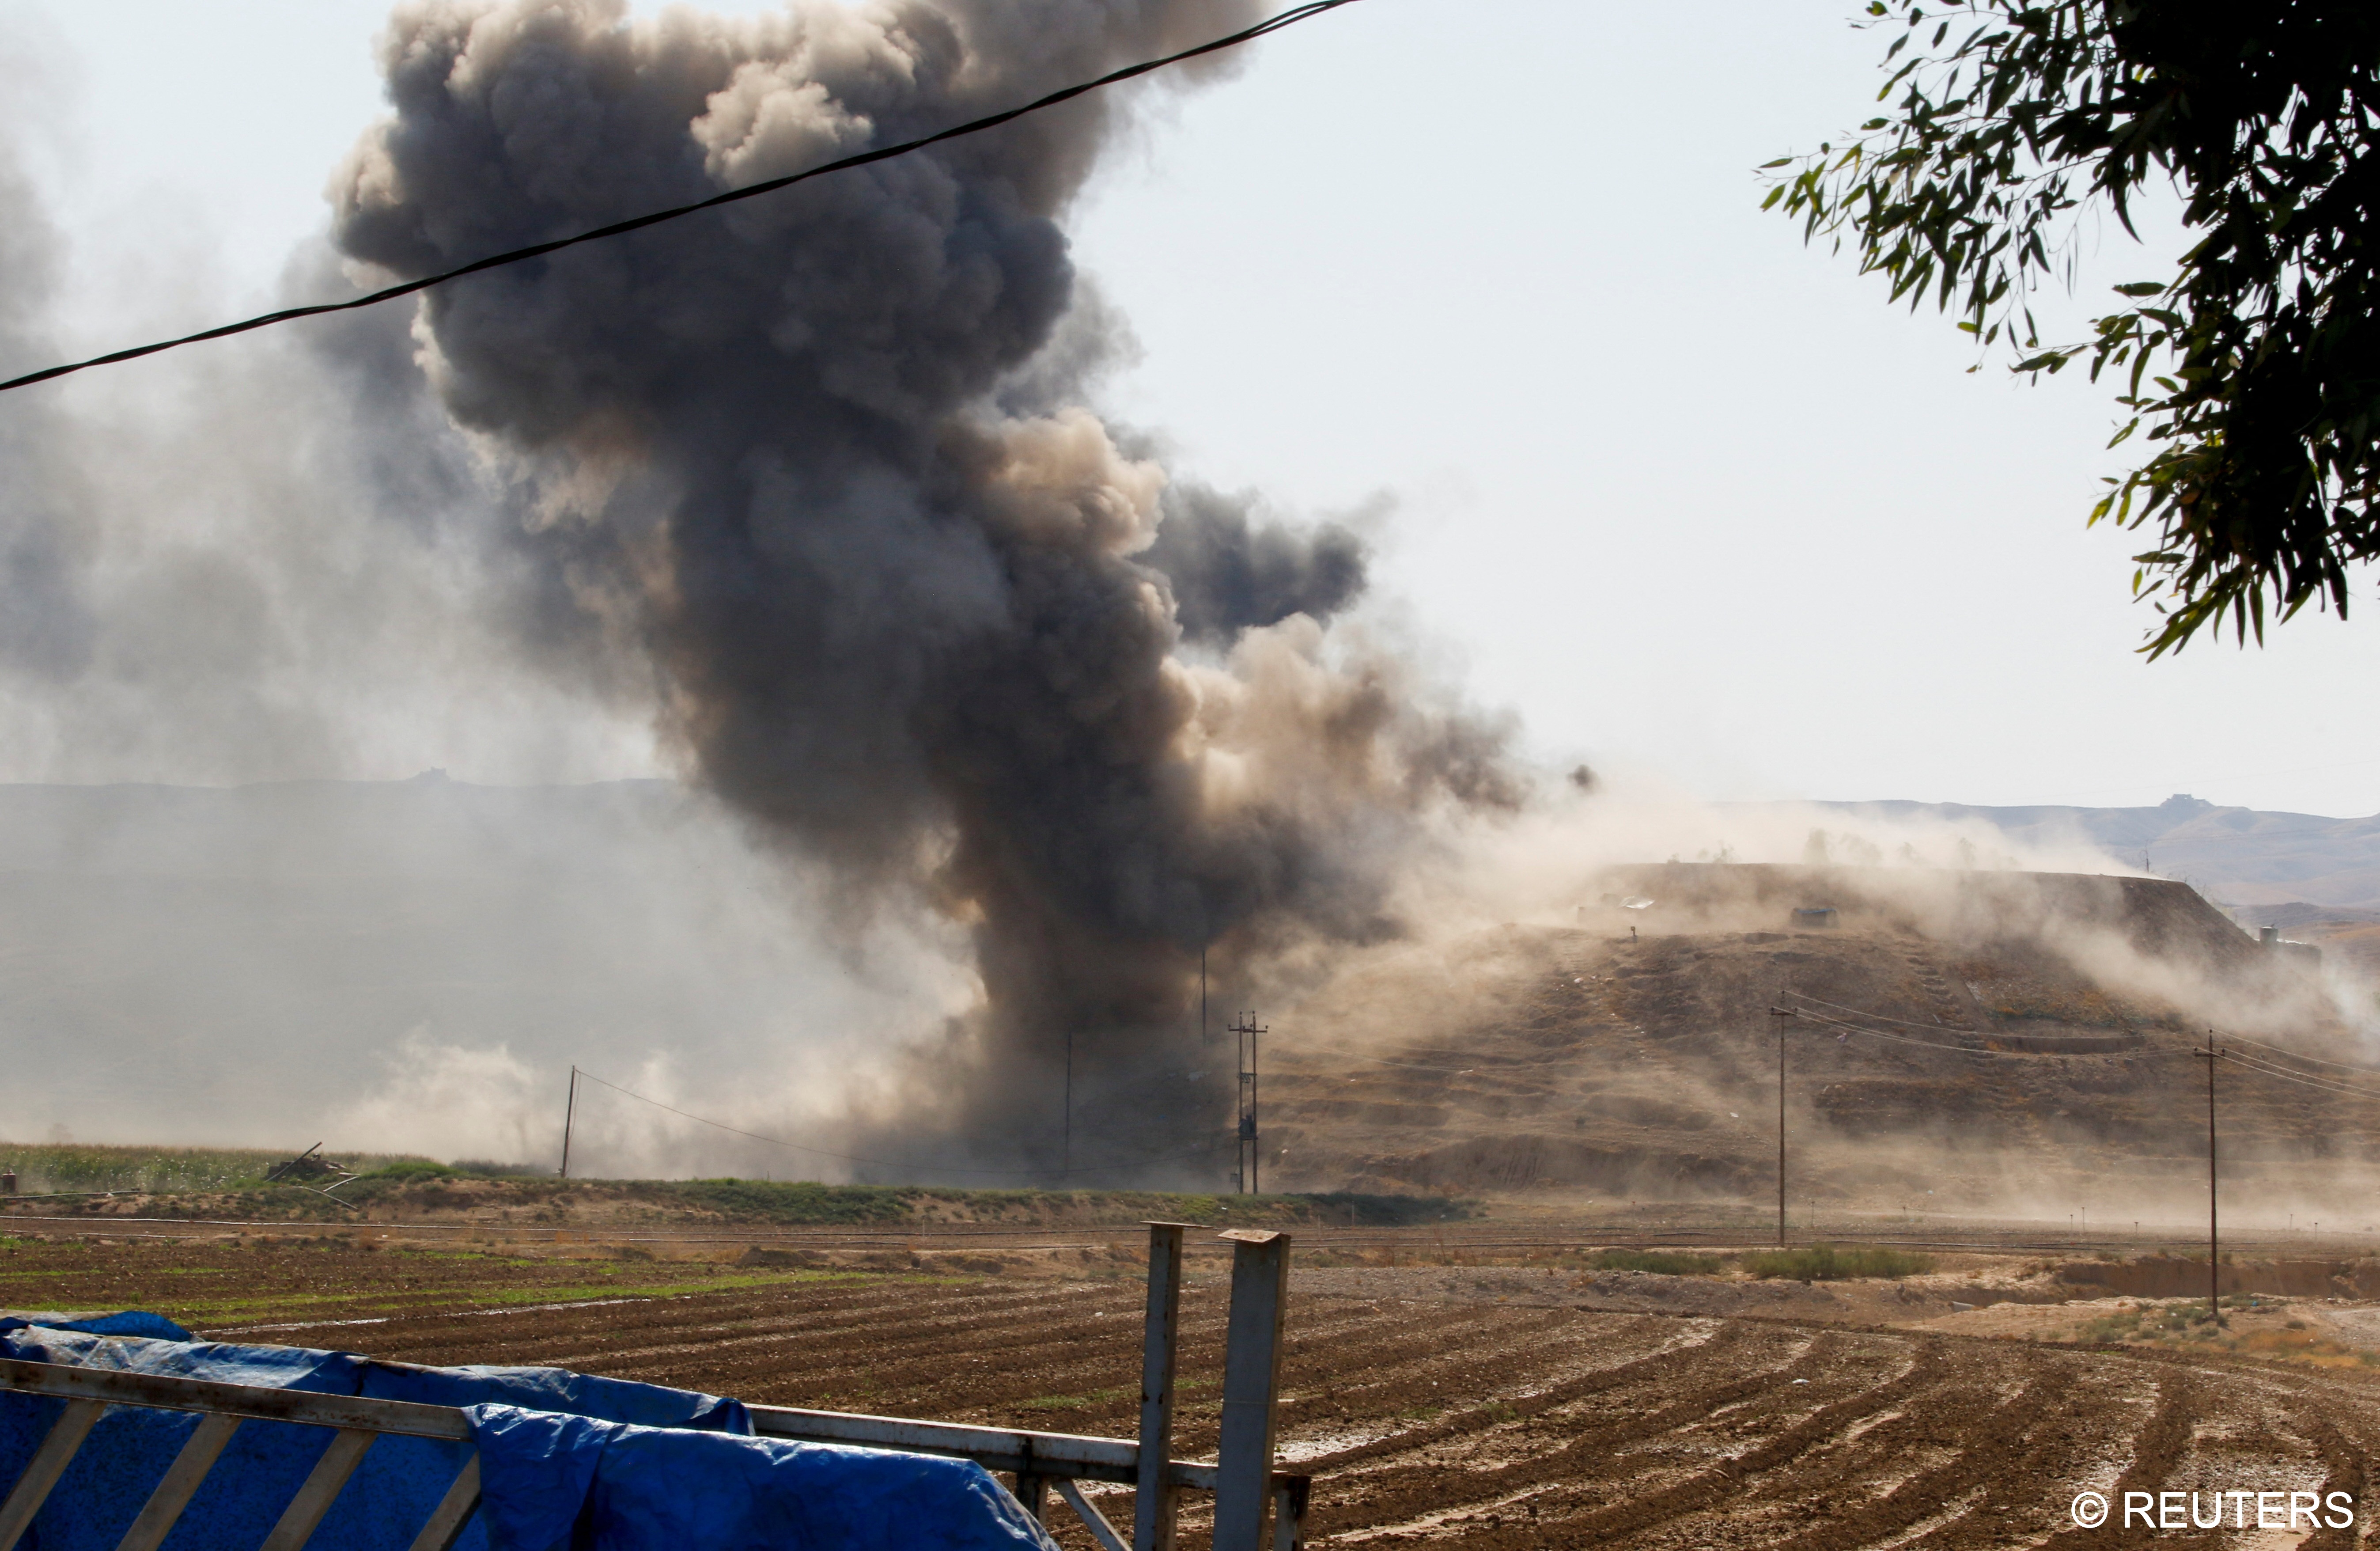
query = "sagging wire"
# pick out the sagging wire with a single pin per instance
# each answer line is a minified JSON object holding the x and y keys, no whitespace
{"x":1290,"y":18}
{"x":1475,"y":1070}
{"x":2316,"y":1060}
{"x":2309,"y":1079}
{"x":1825,"y":1022}
{"x":2300,"y":1078}
{"x":1862,"y":1012}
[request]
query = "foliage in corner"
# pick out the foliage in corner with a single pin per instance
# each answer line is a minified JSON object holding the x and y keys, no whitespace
{"x":2254,"y":372}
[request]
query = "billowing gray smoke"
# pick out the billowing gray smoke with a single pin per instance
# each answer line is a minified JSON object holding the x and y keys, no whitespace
{"x":46,"y":628}
{"x":821,"y":464}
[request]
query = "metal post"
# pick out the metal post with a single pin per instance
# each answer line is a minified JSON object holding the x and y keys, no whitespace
{"x":1780,"y":1012}
{"x":569,"y":1110}
{"x":1289,"y":1500}
{"x":1251,"y":1385}
{"x":1160,"y":1341}
{"x":1032,"y":1487}
{"x":2213,"y":1239}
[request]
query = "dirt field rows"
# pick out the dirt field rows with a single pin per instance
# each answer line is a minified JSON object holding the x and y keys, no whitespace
{"x":1430,"y":1408}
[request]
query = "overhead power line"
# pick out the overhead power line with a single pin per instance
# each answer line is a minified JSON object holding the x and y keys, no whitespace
{"x":1826,"y":1022}
{"x":1482,"y":1067}
{"x":2316,"y":1060}
{"x":2311,"y":1079}
{"x":1290,"y":18}
{"x":2323,"y":1084}
{"x":1862,"y":1012}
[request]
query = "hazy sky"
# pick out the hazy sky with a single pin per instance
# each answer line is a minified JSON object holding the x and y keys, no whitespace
{"x":1685,"y":495}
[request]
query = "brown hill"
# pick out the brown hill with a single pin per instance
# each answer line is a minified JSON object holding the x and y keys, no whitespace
{"x":1959,"y":1040}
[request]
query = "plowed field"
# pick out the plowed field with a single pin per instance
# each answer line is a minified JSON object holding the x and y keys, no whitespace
{"x":1430,"y":1416}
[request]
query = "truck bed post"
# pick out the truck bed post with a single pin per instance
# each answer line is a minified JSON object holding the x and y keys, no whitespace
{"x":1251,"y":1385}
{"x":1160,"y":1340}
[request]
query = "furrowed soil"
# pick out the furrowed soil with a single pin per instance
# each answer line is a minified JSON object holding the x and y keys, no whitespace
{"x":1511,"y":1404}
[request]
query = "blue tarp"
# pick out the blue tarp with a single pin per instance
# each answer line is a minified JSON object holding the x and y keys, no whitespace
{"x":131,"y":1322}
{"x":568,"y":1463}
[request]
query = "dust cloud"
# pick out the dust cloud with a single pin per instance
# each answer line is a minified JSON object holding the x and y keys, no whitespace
{"x":807,"y":504}
{"x":981,"y":726}
{"x":1587,"y":1013}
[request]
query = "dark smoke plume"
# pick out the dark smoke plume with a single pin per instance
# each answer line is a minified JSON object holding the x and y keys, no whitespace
{"x":1228,"y":575}
{"x":821,"y":463}
{"x":48,"y":627}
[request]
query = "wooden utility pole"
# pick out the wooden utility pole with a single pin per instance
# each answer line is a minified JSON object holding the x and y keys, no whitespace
{"x":569,"y":1110}
{"x":1780,"y":1012}
{"x":2211,"y":1055}
{"x":1251,"y":1162}
{"x":1066,"y":1143}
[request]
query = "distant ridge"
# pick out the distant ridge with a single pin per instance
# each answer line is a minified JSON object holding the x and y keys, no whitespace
{"x":2251,"y":862}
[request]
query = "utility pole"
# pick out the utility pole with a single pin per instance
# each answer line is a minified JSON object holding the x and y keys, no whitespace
{"x":569,"y":1110}
{"x":1780,"y":1012}
{"x":1251,"y":1163}
{"x":1066,"y":1146}
{"x":2211,"y":1055}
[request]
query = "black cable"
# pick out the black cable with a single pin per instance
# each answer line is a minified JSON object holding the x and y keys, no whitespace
{"x":1273,"y":24}
{"x":1862,"y":1012}
{"x":2325,"y":1085}
{"x":1826,"y":1022}
{"x":2316,"y":1060}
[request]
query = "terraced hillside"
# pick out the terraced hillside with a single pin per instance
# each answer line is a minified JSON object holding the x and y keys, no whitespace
{"x":1953,"y":1040}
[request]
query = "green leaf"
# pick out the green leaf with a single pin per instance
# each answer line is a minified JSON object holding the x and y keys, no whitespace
{"x":1995,"y":149}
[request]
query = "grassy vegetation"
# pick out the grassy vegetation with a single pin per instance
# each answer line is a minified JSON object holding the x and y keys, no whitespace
{"x":44,"y":1167}
{"x":1660,"y":1262}
{"x":1074,"y":1402}
{"x":1834,"y":1263}
{"x":337,"y":1278}
{"x":788,"y":1200}
{"x":2184,"y":1322}
{"x":408,"y":1183}
{"x":794,"y":1203}
{"x":2153,"y":1322}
